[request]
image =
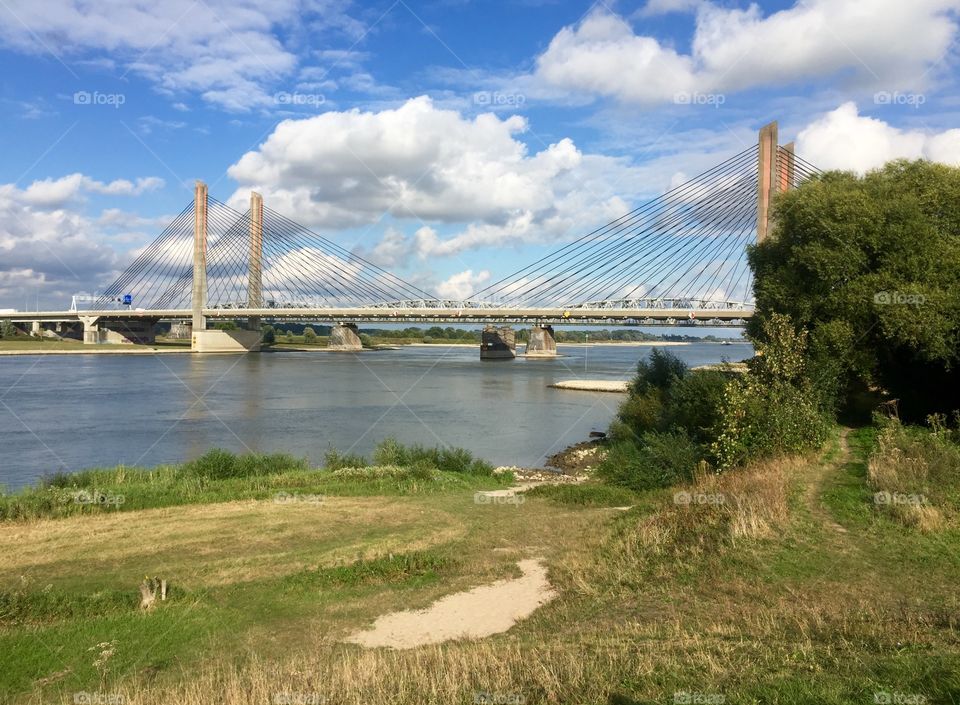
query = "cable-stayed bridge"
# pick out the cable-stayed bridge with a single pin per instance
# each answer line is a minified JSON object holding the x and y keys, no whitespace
{"x":680,"y":256}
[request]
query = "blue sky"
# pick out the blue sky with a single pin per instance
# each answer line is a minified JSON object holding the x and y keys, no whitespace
{"x":449,"y":141}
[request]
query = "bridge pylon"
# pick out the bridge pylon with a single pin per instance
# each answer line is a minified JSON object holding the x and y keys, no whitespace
{"x":255,"y":265}
{"x":776,"y":172}
{"x":198,"y":298}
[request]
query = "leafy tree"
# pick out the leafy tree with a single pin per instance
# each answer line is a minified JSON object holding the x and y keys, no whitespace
{"x":309,"y":335}
{"x":870,"y":266}
{"x":226,"y":325}
{"x":7,"y":330}
{"x":269,"y":335}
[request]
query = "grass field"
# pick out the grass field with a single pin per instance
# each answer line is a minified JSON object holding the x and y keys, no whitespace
{"x":782,"y":583}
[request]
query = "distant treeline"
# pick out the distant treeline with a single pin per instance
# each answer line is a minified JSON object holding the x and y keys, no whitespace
{"x":620,"y":335}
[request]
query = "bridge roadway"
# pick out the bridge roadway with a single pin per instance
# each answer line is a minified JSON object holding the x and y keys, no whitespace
{"x":387,"y":315}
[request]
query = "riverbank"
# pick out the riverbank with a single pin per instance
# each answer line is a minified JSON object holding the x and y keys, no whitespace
{"x":268,"y":593}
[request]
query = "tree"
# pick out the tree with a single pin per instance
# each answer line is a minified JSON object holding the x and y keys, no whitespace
{"x":7,"y":330}
{"x":309,"y":336}
{"x":269,"y":335}
{"x":870,"y":267}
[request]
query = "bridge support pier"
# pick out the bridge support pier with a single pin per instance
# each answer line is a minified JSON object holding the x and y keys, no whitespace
{"x":542,"y":342}
{"x":91,"y":330}
{"x":36,"y":329}
{"x":345,"y":337}
{"x":498,"y":343}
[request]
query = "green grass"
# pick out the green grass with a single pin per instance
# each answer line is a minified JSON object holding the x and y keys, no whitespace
{"x":586,"y":495}
{"x":220,"y":476}
{"x":795,"y":589}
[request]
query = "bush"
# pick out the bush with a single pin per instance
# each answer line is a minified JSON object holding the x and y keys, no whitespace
{"x":7,"y":330}
{"x":391,"y":453}
{"x":642,"y":412}
{"x":694,"y":404}
{"x":660,"y":372}
{"x":333,"y":459}
{"x":309,"y":335}
{"x":269,"y":335}
{"x":660,"y":459}
{"x":218,"y":464}
{"x":774,"y":408}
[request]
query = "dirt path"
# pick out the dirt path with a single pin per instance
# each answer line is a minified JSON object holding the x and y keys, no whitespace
{"x":482,"y":611}
{"x":814,"y":493}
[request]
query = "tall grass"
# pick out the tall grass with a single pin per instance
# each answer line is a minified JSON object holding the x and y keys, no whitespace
{"x":915,"y":474}
{"x":221,"y":476}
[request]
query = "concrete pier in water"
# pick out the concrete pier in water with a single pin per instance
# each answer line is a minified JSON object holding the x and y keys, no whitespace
{"x":498,"y":343}
{"x":542,"y":342}
{"x":344,"y":336}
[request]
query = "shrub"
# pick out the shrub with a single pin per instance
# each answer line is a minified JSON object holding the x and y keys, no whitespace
{"x":309,"y":335}
{"x":391,"y":452}
{"x":219,"y":464}
{"x":774,"y":408}
{"x":659,"y":372}
{"x":269,"y":335}
{"x":694,"y":404}
{"x":660,"y":459}
{"x":642,"y":411}
{"x":333,"y":459}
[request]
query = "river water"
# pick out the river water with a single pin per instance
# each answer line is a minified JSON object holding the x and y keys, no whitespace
{"x":69,"y":412}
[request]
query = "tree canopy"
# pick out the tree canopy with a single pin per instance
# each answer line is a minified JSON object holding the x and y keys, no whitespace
{"x":870,"y":266}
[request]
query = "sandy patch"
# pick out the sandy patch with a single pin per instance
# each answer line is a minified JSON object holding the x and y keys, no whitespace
{"x":592,"y":385}
{"x":473,"y":614}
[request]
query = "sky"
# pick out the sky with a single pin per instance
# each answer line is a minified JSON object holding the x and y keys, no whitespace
{"x":449,"y":141}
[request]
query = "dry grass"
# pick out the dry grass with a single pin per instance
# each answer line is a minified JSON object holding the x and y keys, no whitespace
{"x":909,"y":471}
{"x":216,"y":544}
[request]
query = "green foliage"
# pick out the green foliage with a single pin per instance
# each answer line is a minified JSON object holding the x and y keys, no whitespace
{"x":774,"y":408}
{"x":269,"y":335}
{"x":657,"y":459}
{"x":218,"y":464}
{"x":659,"y":372}
{"x":694,"y":403}
{"x":7,"y":330}
{"x":366,"y":341}
{"x":225,"y":325}
{"x":391,"y":452}
{"x":870,"y":266}
{"x":386,"y":569}
{"x":585,"y":495}
{"x":309,"y":335}
{"x":333,"y":459}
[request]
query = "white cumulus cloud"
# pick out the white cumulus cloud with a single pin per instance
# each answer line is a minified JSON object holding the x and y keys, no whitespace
{"x":844,"y":139}
{"x":883,"y":43}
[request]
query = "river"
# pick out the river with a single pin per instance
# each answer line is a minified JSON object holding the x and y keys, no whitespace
{"x":69,"y":412}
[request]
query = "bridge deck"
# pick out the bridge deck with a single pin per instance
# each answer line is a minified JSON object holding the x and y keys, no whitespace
{"x":377,"y":314}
